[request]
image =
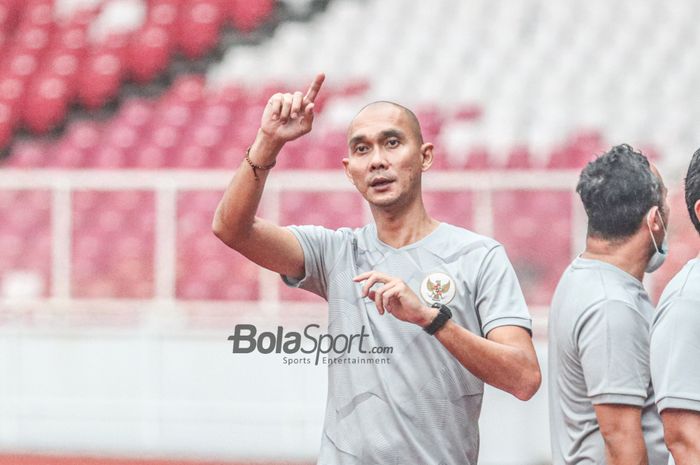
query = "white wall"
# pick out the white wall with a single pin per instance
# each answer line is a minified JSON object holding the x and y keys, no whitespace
{"x":168,"y":389}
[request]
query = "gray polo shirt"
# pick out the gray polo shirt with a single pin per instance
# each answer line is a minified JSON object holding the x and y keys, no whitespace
{"x":675,"y":342}
{"x":422,"y":407}
{"x":599,"y":325}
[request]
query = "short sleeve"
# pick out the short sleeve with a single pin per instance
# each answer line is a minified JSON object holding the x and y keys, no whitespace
{"x":612,"y":340}
{"x":321,"y":247}
{"x":675,"y":356}
{"x":499,"y":300}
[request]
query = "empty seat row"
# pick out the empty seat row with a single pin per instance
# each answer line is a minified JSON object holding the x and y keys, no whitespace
{"x":48,"y":63}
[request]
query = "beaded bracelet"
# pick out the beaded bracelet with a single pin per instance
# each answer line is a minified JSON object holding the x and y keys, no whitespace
{"x":257,"y":167}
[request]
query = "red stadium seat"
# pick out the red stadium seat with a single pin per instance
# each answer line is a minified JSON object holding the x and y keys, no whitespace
{"x":38,"y":13}
{"x":519,"y":159}
{"x":100,"y":79}
{"x":523,"y":222}
{"x":84,"y":135}
{"x":187,"y":90}
{"x":164,"y":14}
{"x":122,"y":137}
{"x":67,"y":156}
{"x":64,"y":66}
{"x":455,"y":208}
{"x":192,"y":157}
{"x":199,"y":27}
{"x":107,"y":157}
{"x":166,"y":137}
{"x":21,"y":64}
{"x":207,"y":269}
{"x":577,"y":151}
{"x":431,"y":120}
{"x":478,"y":159}
{"x":12,"y":97}
{"x":27,"y":154}
{"x":149,"y":157}
{"x":17,"y":255}
{"x":136,"y":112}
{"x":33,"y":39}
{"x":72,"y":39}
{"x":6,"y":124}
{"x":117,"y":44}
{"x":247,"y":15}
{"x":468,"y":112}
{"x":45,"y":105}
{"x":9,"y":16}
{"x":113,"y":245}
{"x":149,"y":53}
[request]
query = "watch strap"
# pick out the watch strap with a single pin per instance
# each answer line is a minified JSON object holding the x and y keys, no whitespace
{"x":440,"y":319}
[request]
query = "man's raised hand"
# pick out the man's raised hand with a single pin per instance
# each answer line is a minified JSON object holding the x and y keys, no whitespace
{"x":289,"y":116}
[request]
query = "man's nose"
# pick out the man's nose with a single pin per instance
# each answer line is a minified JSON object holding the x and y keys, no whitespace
{"x":378,"y":159}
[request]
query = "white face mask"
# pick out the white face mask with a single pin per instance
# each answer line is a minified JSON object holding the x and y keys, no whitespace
{"x":658,"y":258}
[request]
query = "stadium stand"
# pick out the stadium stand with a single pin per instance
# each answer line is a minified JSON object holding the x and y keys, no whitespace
{"x":84,"y":55}
{"x":54,"y":57}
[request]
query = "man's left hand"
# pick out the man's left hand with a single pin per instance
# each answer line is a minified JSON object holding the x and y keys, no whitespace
{"x":395,"y":297}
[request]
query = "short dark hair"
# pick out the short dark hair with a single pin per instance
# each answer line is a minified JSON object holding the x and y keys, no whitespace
{"x":692,"y":188}
{"x":617,"y":189}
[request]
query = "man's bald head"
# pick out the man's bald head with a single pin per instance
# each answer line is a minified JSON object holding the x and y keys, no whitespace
{"x":410,"y":117}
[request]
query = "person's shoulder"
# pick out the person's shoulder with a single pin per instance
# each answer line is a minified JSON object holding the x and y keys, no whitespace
{"x":605,"y":280}
{"x":679,"y":294}
{"x":353,"y":235}
{"x":462,"y":240}
{"x":688,"y":278}
{"x":343,"y":234}
{"x":581,"y":289}
{"x":360,"y":233}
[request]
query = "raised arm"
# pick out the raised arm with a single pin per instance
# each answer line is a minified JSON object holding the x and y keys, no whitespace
{"x":286,"y":117}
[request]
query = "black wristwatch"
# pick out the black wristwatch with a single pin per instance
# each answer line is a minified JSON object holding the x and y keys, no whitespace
{"x":440,"y":320}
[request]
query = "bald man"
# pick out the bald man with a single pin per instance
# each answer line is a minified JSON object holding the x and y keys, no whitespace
{"x":446,"y":300}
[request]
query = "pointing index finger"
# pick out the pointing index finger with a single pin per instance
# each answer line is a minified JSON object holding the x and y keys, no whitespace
{"x":314,"y":88}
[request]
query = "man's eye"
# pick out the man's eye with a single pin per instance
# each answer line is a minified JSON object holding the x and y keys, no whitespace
{"x":392,"y":142}
{"x":361,"y":148}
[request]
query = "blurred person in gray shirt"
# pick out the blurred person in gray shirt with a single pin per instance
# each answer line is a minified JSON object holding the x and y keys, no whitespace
{"x":675,"y":345}
{"x":602,"y":408}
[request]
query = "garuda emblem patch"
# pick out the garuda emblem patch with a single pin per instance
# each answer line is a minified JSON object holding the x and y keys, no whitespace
{"x":437,"y":288}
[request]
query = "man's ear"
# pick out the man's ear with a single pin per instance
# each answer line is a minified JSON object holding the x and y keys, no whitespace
{"x":346,"y":162}
{"x":426,"y":151}
{"x":652,"y":218}
{"x":697,"y":209}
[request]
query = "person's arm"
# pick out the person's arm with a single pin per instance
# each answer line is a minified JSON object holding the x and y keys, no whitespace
{"x":621,"y":428}
{"x":682,"y":435}
{"x":285,"y":118}
{"x":675,"y":373}
{"x":612,"y":339}
{"x":504,"y":359}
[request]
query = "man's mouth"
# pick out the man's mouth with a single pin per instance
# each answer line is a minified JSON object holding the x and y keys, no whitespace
{"x":380,"y":182}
